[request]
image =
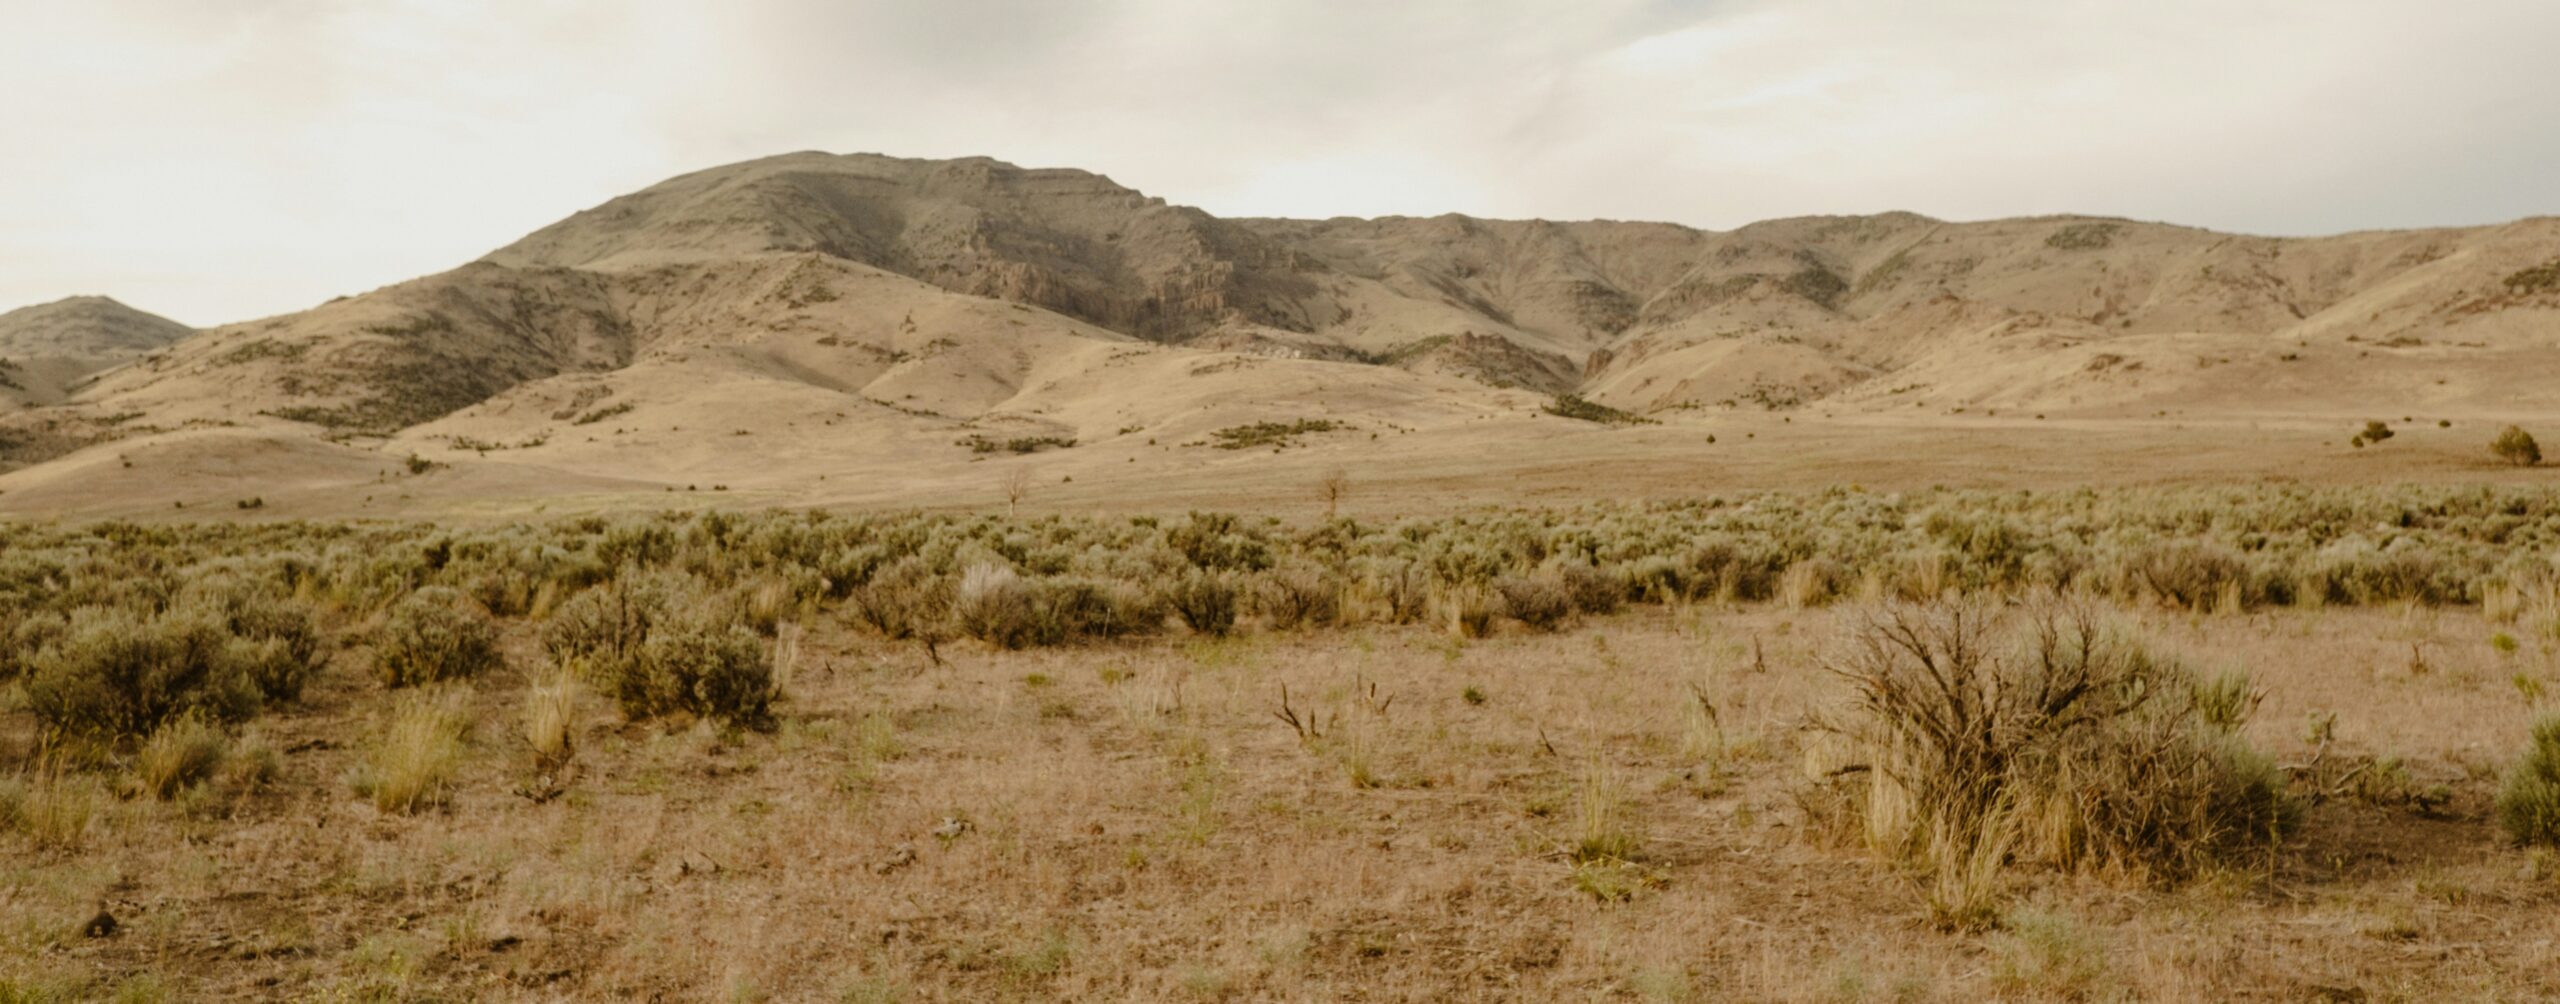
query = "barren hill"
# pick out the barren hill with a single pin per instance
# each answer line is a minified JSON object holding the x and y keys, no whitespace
{"x":48,"y":348}
{"x":815,"y":327}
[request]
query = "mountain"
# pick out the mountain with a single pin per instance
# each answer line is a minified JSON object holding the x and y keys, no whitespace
{"x":46,"y":349}
{"x":894,"y":324}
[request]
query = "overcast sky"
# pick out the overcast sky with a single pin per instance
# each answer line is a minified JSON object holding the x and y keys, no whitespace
{"x":222,"y":161}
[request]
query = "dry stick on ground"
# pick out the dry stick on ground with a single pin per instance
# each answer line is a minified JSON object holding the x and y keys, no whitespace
{"x":1309,"y":727}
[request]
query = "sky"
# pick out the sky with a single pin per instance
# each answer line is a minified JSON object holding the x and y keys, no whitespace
{"x":218,"y":162}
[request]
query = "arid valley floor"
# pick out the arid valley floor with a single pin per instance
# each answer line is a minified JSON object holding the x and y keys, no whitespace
{"x":842,"y":577}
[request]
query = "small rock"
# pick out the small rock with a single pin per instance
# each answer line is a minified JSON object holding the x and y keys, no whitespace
{"x":952,"y":827}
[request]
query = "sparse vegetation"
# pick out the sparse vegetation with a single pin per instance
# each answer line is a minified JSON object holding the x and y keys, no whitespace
{"x":2374,"y":431}
{"x":2083,"y":236}
{"x":1274,"y":434}
{"x":2541,"y":278}
{"x":1463,"y":688}
{"x":1979,"y":739}
{"x":1018,"y":444}
{"x":614,"y":410}
{"x":1575,"y":406}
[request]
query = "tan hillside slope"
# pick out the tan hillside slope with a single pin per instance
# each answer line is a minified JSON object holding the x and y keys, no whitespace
{"x":881,"y":330}
{"x":46,"y":349}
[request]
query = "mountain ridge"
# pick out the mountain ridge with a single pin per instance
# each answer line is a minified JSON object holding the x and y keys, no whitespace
{"x":914,"y":302}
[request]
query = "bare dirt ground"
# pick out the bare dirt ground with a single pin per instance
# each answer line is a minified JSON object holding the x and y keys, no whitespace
{"x":1136,"y":823}
{"x":1508,"y":457}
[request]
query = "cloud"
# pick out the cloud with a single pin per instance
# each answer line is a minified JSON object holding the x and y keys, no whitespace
{"x":223,"y":161}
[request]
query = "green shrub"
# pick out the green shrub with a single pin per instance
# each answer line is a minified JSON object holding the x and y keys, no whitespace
{"x":995,"y":605}
{"x":2516,"y":446}
{"x":708,"y":669}
{"x":116,"y":673}
{"x":2529,"y":800}
{"x":904,"y":601}
{"x":1576,"y":406}
{"x":1206,"y":602}
{"x":434,"y":635}
{"x":277,"y":640}
{"x":612,"y":620}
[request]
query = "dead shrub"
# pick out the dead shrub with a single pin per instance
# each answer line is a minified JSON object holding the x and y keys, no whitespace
{"x":1987,"y":735}
{"x":1295,"y":596}
{"x":2188,"y":574}
{"x":1539,"y":601}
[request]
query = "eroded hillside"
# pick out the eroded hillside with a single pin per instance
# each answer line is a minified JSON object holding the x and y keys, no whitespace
{"x":902,"y":322}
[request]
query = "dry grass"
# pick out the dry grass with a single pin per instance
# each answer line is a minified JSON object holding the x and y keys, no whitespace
{"x":1137,"y":826}
{"x":186,"y":750}
{"x":550,"y":716}
{"x":411,"y":762}
{"x":1611,"y":810}
{"x":53,"y":807}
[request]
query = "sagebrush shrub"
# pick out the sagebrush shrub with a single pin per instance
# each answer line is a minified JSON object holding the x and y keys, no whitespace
{"x":1398,"y":590}
{"x":279,"y":642}
{"x":434,"y":635}
{"x":1205,"y":600}
{"x":702,"y":667}
{"x":661,"y":642}
{"x":1539,"y":601}
{"x":904,"y":601}
{"x":2046,"y":737}
{"x":1299,"y":596}
{"x":2529,"y":798}
{"x":2188,"y":574}
{"x":610,"y":621}
{"x":1592,"y":590}
{"x":994,"y":604}
{"x":117,"y":673}
{"x":2516,"y":446}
